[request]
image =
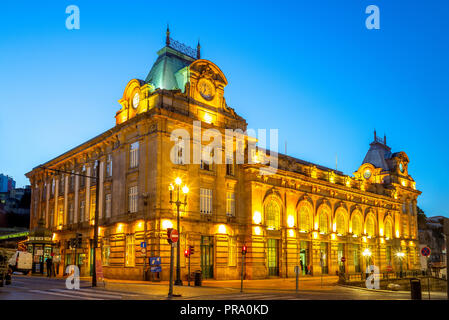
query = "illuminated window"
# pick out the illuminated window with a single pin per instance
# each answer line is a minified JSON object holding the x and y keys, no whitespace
{"x":92,"y":207}
{"x":273,"y":214}
{"x":108,"y":205}
{"x":304,"y":218}
{"x":132,"y":199}
{"x":356,"y":225}
{"x":179,"y":151}
{"x":106,"y":252}
{"x":388,"y":229}
{"x":230,"y":204}
{"x":130,"y":251}
{"x":206,"y":201}
{"x":207,"y":156}
{"x":324,"y":221}
{"x":134,"y":155}
{"x":341,"y":223}
{"x":232,"y":249}
{"x":61,"y":216}
{"x":370,"y":230}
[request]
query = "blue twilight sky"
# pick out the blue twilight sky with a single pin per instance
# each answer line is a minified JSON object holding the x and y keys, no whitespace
{"x":309,"y":68}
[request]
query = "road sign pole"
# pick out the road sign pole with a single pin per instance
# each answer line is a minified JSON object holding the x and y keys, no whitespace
{"x":241,"y":277}
{"x":297,"y":278}
{"x":188,"y":277}
{"x":170,"y":288}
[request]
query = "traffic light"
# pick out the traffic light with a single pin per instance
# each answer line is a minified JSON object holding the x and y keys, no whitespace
{"x":244,"y":249}
{"x":186,"y":252}
{"x":191,"y":250}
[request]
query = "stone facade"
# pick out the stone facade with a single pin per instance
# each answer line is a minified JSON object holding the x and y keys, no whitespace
{"x":304,"y":214}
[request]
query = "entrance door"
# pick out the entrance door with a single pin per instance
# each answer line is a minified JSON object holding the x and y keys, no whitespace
{"x":340,"y":255}
{"x":207,"y":256}
{"x":273,"y":257}
{"x":303,"y":257}
{"x":324,"y":257}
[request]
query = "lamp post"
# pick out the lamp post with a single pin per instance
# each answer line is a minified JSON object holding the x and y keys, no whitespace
{"x":178,"y":204}
{"x":400,"y":256}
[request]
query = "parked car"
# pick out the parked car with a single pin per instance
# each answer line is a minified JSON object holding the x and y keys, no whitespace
{"x":21,"y":261}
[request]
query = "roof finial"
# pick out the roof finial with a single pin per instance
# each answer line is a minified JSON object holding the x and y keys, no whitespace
{"x":375,"y":137}
{"x":167,"y":38}
{"x":198,"y":50}
{"x":385,"y":139}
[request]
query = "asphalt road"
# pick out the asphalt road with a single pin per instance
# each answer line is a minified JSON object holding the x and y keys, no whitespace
{"x":42,"y":288}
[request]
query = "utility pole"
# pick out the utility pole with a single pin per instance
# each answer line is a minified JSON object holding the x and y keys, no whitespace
{"x":244,"y":248}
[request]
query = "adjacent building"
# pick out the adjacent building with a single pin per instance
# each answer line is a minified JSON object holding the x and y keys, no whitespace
{"x":303,"y":214}
{"x":6,"y":183}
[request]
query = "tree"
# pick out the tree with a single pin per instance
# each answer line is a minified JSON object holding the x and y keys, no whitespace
{"x":422,"y":218}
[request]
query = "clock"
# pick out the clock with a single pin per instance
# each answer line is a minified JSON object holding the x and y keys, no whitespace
{"x":367,"y":174}
{"x":401,"y":167}
{"x":206,"y":89}
{"x":136,"y":100}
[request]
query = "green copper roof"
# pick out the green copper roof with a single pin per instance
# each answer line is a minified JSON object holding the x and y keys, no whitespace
{"x":170,"y":70}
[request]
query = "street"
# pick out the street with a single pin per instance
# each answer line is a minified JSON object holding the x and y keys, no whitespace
{"x":42,"y":288}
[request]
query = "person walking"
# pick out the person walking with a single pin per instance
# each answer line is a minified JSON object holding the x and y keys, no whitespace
{"x":49,"y":262}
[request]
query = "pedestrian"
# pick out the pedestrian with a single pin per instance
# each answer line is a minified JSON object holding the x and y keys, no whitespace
{"x":49,"y":262}
{"x":302,"y":265}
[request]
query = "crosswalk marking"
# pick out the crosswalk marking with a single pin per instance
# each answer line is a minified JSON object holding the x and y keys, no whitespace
{"x":252,"y":296}
{"x":88,"y":294}
{"x":62,"y":294}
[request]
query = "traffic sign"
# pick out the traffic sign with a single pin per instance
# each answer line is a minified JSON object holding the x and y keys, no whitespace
{"x":174,"y":235}
{"x":143,"y":244}
{"x":343,"y":259}
{"x":154,"y":261}
{"x":143,"y":250}
{"x":156,"y":269}
{"x":389,"y":268}
{"x":425,"y":251}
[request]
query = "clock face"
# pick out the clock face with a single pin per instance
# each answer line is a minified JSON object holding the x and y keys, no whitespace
{"x":136,"y":100}
{"x":206,"y":89}
{"x":401,"y":167}
{"x":367,"y":174}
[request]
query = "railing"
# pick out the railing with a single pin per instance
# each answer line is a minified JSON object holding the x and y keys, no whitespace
{"x":181,"y":47}
{"x":354,"y":277}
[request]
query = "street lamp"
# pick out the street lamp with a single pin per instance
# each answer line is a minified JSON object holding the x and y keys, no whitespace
{"x":178,"y":203}
{"x":367,"y":254}
{"x":400,"y":256}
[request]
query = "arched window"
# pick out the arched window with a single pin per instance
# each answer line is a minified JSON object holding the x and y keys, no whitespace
{"x":356,"y":225}
{"x":304,"y":221}
{"x":324,"y":221}
{"x":388,"y":229}
{"x":273,"y":213}
{"x":341,"y":223}
{"x":370,"y":227}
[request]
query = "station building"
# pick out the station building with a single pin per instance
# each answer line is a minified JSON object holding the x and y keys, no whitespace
{"x":303,"y":214}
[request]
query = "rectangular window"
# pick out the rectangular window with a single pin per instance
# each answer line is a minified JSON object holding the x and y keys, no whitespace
{"x":179,"y":151}
{"x":52,"y":187}
{"x":206,"y":201}
{"x":83,"y":176}
{"x":134,"y":155}
{"x":82,"y":209}
{"x":93,"y":204}
{"x":232,"y":250}
{"x":129,"y":253}
{"x":72,"y":182}
{"x":106,"y":252}
{"x":229,"y":165}
{"x":52,"y":217}
{"x":94,"y":174}
{"x":70,"y":216}
{"x":109,"y":166}
{"x":61,"y":184}
{"x":230,"y":204}
{"x":132,"y":199}
{"x":108,"y":205}
{"x":60,"y":216}
{"x":207,"y":156}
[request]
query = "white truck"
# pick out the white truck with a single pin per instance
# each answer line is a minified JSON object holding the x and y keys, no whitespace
{"x":21,"y":261}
